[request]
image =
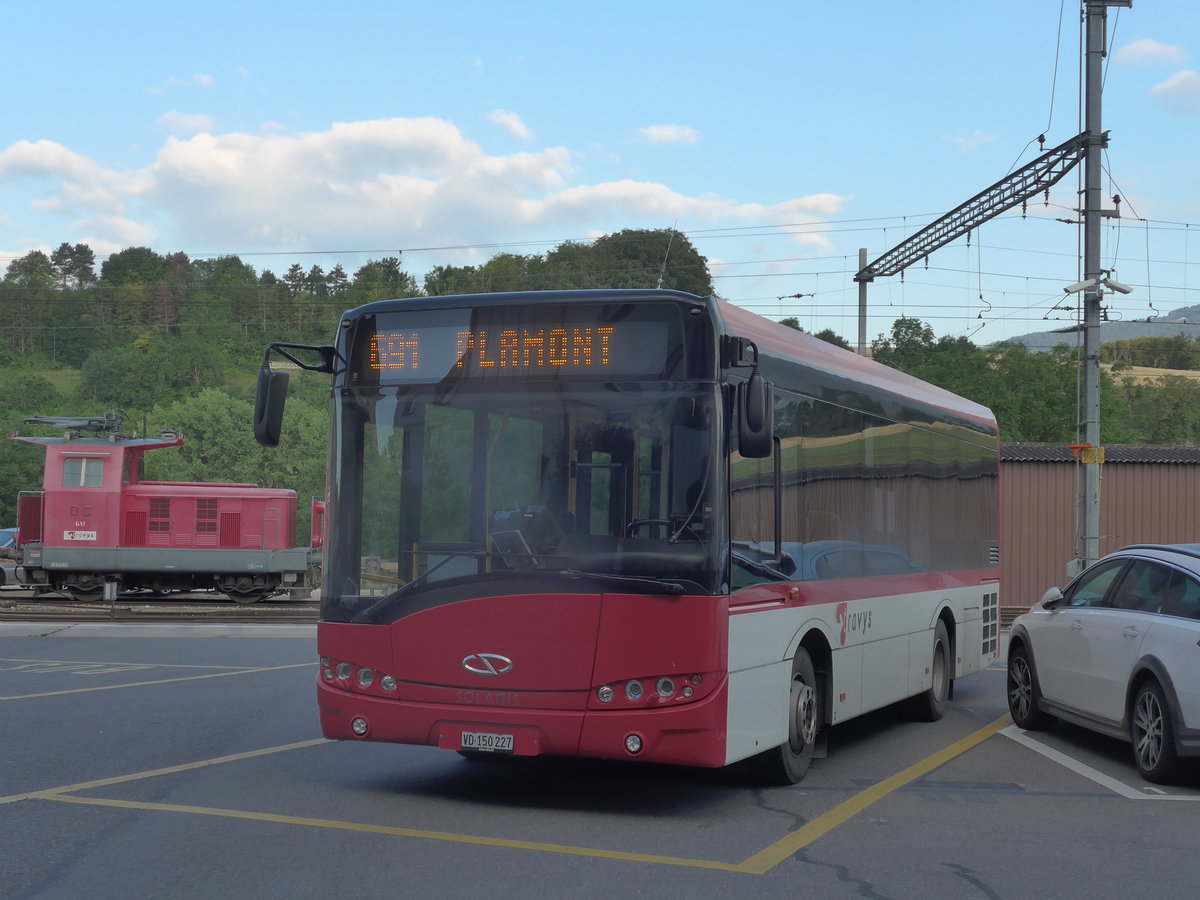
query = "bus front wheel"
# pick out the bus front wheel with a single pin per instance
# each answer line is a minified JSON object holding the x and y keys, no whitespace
{"x":788,"y":763}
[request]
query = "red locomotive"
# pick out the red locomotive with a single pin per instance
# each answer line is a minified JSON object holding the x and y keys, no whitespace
{"x":96,"y":521}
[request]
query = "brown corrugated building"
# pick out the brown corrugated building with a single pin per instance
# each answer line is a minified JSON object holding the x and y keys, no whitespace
{"x":1147,"y":495}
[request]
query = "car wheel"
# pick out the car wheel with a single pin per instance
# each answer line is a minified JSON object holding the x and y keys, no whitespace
{"x":788,"y":763}
{"x":930,"y":705}
{"x":1023,"y":693}
{"x":1152,"y":734}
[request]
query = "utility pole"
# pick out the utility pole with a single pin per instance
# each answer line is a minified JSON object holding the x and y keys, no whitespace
{"x":862,"y":303}
{"x":1095,"y":140}
{"x":1016,"y":189}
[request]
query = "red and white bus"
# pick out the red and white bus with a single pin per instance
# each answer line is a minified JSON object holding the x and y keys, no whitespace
{"x":638,"y":525}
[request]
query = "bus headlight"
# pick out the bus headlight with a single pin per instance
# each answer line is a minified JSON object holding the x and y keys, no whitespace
{"x":388,"y":683}
{"x":365,"y":677}
{"x":633,"y":690}
{"x":344,"y":670}
{"x":665,"y":687}
{"x":604,"y":693}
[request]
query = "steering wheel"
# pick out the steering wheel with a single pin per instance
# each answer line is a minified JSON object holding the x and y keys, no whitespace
{"x":666,"y":524}
{"x":647,"y":523}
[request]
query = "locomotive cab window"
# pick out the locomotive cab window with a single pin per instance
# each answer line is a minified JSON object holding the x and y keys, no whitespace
{"x":82,"y":471}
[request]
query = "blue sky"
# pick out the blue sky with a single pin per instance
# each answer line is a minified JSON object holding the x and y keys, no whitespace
{"x":780,"y":137}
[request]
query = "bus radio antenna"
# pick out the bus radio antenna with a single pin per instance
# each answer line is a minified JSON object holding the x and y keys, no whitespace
{"x":663,"y":268}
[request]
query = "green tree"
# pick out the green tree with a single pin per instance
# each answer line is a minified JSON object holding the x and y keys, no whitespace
{"x":1163,"y":410}
{"x":828,"y":335}
{"x":338,"y":281}
{"x":33,"y":270}
{"x":381,"y":279}
{"x":28,"y":294}
{"x":633,"y":258}
{"x":1178,"y":351}
{"x":75,"y":265}
{"x":1031,"y":394}
{"x":22,"y":394}
{"x":224,"y":301}
{"x":641,"y":257}
{"x":123,"y":296}
{"x":219,"y":446}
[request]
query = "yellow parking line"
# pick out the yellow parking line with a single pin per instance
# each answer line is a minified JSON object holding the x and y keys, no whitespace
{"x":758,"y":864}
{"x":47,"y":793}
{"x":397,"y":831}
{"x":787,"y":847}
{"x":90,"y":662}
{"x":132,"y":684}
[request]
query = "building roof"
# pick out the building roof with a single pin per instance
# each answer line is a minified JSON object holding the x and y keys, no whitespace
{"x":1113,"y":453}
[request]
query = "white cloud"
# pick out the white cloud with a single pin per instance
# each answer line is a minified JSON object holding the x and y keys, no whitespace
{"x":511,"y":123}
{"x":972,"y":141}
{"x":199,"y":79}
{"x":83,"y":183}
{"x":670,"y":134}
{"x":390,"y":182}
{"x":119,"y":233}
{"x":1145,"y":50}
{"x":185,"y":123}
{"x":1179,"y":93}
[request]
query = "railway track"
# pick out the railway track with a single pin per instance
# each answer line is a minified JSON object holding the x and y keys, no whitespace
{"x":23,"y":606}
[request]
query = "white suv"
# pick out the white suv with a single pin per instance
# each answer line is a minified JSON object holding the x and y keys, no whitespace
{"x":1117,"y":651}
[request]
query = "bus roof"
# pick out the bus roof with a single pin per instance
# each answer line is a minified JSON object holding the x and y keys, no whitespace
{"x":789,"y":344}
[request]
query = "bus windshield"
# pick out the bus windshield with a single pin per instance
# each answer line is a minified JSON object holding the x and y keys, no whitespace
{"x":440,"y":494}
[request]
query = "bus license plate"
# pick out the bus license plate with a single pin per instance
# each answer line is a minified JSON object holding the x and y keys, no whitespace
{"x":482,"y":740}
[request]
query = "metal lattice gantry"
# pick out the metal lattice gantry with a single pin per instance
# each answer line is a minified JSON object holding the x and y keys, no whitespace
{"x":1030,"y":180}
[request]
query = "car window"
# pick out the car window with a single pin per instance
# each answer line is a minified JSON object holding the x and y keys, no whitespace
{"x":885,"y":562}
{"x":1182,"y":596}
{"x":1092,"y":585}
{"x":1142,"y":587}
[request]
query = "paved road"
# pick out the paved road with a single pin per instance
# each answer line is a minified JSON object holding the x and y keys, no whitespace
{"x":186,"y":761}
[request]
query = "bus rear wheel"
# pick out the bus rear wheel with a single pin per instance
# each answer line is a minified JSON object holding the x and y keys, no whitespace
{"x":788,"y":763}
{"x":930,"y":705}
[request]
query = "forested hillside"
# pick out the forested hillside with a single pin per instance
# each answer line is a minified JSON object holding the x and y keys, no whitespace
{"x":176,"y":343}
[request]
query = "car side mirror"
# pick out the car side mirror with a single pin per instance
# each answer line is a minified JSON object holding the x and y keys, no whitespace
{"x":1052,"y":599}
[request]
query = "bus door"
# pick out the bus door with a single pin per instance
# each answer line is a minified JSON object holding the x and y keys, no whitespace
{"x":601,"y":468}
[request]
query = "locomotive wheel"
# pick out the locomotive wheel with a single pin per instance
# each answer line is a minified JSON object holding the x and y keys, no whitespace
{"x":246,"y":597}
{"x":84,"y":588}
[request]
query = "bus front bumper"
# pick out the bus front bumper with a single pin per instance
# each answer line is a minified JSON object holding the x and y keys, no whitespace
{"x":686,"y":734}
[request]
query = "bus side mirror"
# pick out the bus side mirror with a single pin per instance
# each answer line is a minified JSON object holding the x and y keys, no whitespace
{"x":268,"y":406}
{"x":756,"y":417}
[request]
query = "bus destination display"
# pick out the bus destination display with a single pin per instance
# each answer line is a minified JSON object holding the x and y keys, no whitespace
{"x":585,"y":348}
{"x":412,"y":348}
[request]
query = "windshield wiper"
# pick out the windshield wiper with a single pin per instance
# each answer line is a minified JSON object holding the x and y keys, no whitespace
{"x":760,"y":568}
{"x":388,"y":600}
{"x":650,"y":584}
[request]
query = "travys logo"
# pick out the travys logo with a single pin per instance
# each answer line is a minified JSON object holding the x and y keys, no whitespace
{"x":853,"y":622}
